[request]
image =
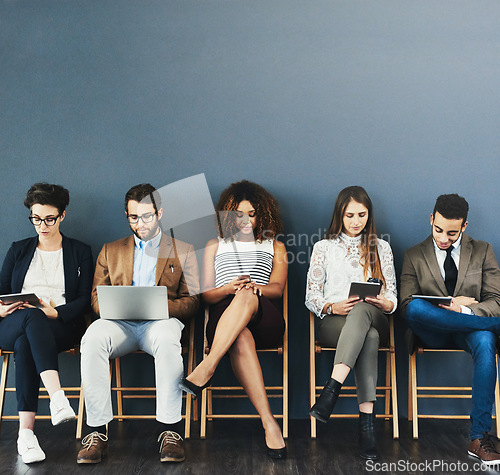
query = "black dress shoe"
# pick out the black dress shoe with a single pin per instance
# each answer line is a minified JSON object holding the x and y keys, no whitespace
{"x":326,"y":401}
{"x":193,"y":389}
{"x":276,"y":453}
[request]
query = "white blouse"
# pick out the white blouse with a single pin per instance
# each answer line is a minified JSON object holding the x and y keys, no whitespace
{"x":335,"y":263}
{"x":45,"y":277}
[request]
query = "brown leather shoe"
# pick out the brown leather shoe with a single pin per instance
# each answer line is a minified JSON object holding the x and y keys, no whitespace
{"x":94,"y":447}
{"x":484,"y":449}
{"x":171,"y":447}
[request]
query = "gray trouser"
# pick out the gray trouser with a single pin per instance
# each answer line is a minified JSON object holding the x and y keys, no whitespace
{"x":356,"y":337}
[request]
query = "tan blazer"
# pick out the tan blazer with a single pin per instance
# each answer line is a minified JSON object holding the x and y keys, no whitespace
{"x":478,"y":275}
{"x":176,"y":268}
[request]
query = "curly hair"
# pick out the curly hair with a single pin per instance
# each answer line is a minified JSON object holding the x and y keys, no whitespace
{"x":268,"y":223}
{"x":47,"y":194}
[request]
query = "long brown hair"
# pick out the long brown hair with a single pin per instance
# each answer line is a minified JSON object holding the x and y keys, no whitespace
{"x":268,"y":223}
{"x":369,"y":252}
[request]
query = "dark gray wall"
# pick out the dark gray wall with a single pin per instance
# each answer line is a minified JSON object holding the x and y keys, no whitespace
{"x":304,"y":97}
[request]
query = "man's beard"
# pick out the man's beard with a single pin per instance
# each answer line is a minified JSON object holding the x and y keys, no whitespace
{"x":148,"y":236}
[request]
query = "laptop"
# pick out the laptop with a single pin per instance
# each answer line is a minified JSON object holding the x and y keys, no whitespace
{"x":129,"y":302}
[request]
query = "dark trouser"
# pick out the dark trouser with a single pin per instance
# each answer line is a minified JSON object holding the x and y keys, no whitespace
{"x":441,"y":328}
{"x":356,"y":337}
{"x":36,"y":340}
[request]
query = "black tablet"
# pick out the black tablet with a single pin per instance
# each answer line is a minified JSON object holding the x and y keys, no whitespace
{"x":433,"y":299}
{"x":364,"y":289}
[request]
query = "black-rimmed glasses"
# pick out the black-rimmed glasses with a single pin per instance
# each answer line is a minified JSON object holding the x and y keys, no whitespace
{"x":146,"y":218}
{"x":49,"y":221}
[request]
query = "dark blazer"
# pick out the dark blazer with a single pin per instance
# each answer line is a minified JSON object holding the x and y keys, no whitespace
{"x":176,"y":268}
{"x":478,"y":275}
{"x":78,"y":271}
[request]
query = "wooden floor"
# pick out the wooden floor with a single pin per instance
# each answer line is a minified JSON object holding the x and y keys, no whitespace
{"x":238,"y":447}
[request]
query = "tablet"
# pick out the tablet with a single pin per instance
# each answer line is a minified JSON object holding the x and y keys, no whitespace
{"x":433,"y":299}
{"x":32,"y":299}
{"x":127,"y":302}
{"x":364,"y":289}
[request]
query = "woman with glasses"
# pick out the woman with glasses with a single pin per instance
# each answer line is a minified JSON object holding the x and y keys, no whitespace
{"x":351,"y":252}
{"x":59,"y":271}
{"x":244,"y":275}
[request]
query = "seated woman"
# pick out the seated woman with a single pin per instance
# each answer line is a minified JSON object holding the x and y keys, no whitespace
{"x":351,"y":252}
{"x":59,"y":271}
{"x":245,"y":271}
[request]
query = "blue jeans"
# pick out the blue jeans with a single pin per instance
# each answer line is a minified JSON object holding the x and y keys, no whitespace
{"x":440,"y":328}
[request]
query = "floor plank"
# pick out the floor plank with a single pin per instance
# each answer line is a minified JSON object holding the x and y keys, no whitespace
{"x":237,"y":447}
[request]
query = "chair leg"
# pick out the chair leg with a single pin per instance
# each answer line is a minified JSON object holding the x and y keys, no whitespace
{"x":285,"y":389}
{"x":312,"y":389}
{"x":312,"y":372}
{"x":3,"y":384}
{"x":187,"y":428}
{"x":497,"y":403}
{"x":81,"y":408}
{"x":394,"y":390}
{"x":203,"y":425}
{"x":410,"y":405}
{"x":413,"y":366}
{"x":388,"y":379}
{"x":119,"y":399}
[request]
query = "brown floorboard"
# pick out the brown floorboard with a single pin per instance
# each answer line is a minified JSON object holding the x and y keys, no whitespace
{"x":237,"y":447}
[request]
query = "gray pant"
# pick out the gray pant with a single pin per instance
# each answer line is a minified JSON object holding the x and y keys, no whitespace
{"x":356,"y":337}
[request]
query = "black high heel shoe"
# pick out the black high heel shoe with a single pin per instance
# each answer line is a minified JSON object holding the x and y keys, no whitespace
{"x":193,"y":389}
{"x":277,"y":453}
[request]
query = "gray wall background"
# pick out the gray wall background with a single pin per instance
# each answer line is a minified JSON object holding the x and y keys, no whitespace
{"x":302,"y":97}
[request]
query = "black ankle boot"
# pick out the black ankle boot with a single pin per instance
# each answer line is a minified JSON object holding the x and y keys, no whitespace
{"x":367,"y":440}
{"x":327,"y":399}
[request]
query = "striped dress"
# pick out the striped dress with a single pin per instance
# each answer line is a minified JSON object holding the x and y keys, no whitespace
{"x":255,"y":259}
{"x":236,"y":258}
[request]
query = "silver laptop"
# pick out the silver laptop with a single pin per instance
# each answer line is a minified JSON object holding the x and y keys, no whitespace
{"x":128,"y":302}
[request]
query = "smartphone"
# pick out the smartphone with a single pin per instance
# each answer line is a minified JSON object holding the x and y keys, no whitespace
{"x":244,"y":276}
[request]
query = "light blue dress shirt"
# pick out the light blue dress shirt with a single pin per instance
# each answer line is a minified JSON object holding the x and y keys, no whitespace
{"x":145,"y":257}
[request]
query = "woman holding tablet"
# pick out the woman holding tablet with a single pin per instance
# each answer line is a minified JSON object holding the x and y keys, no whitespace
{"x":245,"y":271}
{"x":351,"y":252}
{"x":59,"y":271}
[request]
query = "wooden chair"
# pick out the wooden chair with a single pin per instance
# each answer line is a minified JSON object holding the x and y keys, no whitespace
{"x":70,"y":391}
{"x":123,"y":392}
{"x":437,"y":392}
{"x":389,"y":391}
{"x":281,"y":392}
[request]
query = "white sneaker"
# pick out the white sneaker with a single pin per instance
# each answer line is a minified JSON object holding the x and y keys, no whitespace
{"x":60,"y":409}
{"x":28,"y":447}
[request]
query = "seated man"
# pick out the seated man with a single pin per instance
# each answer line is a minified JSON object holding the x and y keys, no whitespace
{"x":450,"y":263}
{"x":148,"y":258}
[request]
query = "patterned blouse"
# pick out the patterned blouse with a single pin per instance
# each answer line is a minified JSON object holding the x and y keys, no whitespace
{"x":335,"y":263}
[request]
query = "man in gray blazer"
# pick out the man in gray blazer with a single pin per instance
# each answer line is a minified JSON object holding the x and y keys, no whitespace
{"x":451,"y":263}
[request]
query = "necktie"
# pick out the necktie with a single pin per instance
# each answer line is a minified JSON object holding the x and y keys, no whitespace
{"x":450,"y":272}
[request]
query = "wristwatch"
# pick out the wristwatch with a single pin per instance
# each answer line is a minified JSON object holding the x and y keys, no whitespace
{"x":329,"y":309}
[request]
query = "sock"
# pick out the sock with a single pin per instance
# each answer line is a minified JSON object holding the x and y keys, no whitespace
{"x":176,"y":427}
{"x":100,"y":429}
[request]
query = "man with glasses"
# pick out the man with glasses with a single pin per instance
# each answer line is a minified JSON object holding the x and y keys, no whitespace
{"x":451,"y":263}
{"x":147,"y":258}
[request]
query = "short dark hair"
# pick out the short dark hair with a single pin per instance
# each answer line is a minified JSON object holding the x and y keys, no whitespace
{"x":452,"y":206}
{"x":143,"y":192}
{"x":47,"y":194}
